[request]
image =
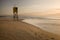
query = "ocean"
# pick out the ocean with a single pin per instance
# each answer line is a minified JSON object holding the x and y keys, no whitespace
{"x":49,"y":24}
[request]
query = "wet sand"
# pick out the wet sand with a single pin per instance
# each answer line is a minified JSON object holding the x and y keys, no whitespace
{"x":18,"y":30}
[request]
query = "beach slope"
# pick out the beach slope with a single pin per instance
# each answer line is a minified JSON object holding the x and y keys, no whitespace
{"x":18,"y":30}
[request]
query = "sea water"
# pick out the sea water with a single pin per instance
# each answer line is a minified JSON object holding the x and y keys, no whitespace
{"x":48,"y":24}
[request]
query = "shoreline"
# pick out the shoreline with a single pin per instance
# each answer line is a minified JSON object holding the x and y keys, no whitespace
{"x":46,"y":25}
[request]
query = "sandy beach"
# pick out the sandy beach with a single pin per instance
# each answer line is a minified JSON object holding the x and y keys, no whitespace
{"x":18,"y":30}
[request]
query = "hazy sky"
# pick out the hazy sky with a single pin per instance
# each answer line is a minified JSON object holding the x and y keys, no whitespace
{"x":27,"y":6}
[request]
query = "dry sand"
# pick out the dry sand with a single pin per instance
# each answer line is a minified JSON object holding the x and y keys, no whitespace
{"x":18,"y":30}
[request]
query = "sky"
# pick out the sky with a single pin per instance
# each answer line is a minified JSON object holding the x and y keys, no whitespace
{"x":28,"y":6}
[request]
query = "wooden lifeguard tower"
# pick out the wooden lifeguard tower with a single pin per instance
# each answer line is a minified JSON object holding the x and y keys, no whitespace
{"x":15,"y":10}
{"x":15,"y":13}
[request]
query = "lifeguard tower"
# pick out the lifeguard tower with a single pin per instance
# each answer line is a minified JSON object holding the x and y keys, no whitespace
{"x":15,"y":13}
{"x":15,"y":10}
